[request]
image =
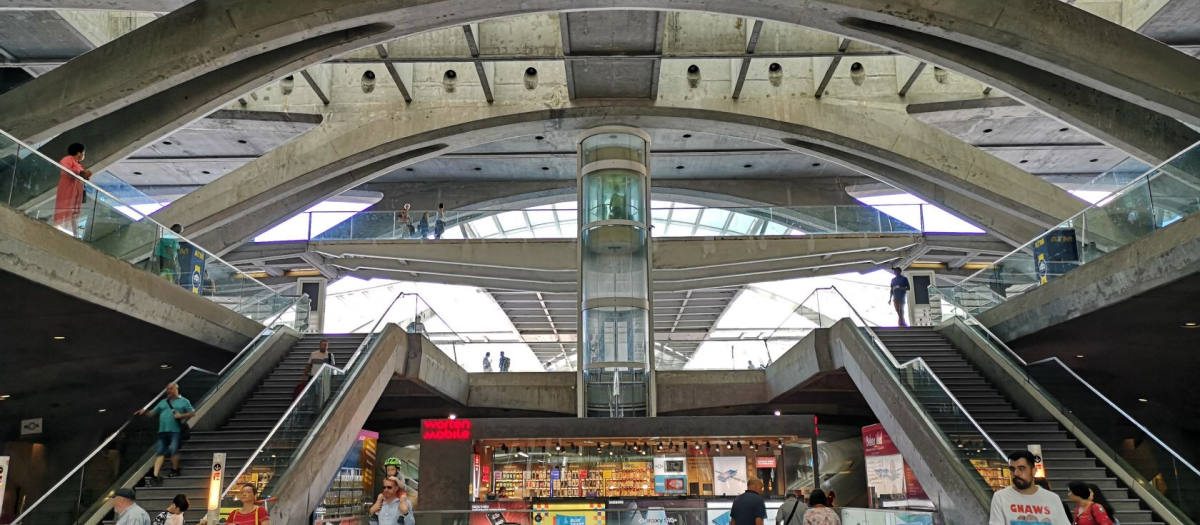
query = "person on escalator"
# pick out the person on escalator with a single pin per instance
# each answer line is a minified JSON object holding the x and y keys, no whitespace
{"x":174,"y":513}
{"x":1023,"y":501}
{"x":173,"y":413}
{"x":318,"y":356}
{"x":899,"y":292}
{"x":1091,"y":507}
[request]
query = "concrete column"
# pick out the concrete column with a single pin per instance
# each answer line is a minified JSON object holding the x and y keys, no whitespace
{"x":615,"y":357}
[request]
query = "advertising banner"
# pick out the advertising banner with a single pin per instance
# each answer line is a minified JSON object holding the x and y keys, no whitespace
{"x":885,"y":466}
{"x":670,"y":475}
{"x":765,"y":462}
{"x":1056,"y":253}
{"x":569,"y":514}
{"x":718,"y":511}
{"x":500,"y":513}
{"x":729,"y":475}
{"x":191,"y":267}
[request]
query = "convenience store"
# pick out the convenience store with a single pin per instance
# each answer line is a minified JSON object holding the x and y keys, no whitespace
{"x":486,"y":463}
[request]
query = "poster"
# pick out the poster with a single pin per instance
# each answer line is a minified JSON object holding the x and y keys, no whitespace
{"x":569,"y":514}
{"x":670,"y":475}
{"x":1056,"y":253}
{"x":191,"y":267}
{"x":885,"y":466}
{"x":718,"y":511}
{"x":729,"y":475}
{"x":656,"y":512}
{"x":500,"y":513}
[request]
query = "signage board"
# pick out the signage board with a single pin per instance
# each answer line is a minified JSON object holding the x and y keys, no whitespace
{"x":1039,"y":466}
{"x":765,"y":462}
{"x":445,"y":429}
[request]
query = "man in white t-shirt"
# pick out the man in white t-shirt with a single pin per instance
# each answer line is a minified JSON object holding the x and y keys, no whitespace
{"x":1024,"y":502}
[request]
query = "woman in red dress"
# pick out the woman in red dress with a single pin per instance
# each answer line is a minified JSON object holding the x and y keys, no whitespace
{"x":69,"y":199}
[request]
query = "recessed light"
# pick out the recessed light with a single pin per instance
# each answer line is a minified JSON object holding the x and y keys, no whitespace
{"x":539,"y":137}
{"x":989,"y":130}
{"x":1094,"y":160}
{"x":5,"y":396}
{"x":1190,"y":325}
{"x":777,"y":413}
{"x":1062,"y":129}
{"x":59,"y":337}
{"x":1023,"y":161}
{"x":816,"y":164}
{"x":545,"y":168}
{"x":453,"y":416}
{"x":1079,"y":356}
{"x":165,"y":366}
{"x":1144,"y":400}
{"x":478,"y":168}
{"x":102,"y":410}
{"x":408,"y":169}
{"x":687,"y":135}
{"x":748,"y":166}
{"x":166,"y":143}
{"x":678,"y":167}
{"x":206,"y":172}
{"x":137,"y":173}
{"x":240,"y":141}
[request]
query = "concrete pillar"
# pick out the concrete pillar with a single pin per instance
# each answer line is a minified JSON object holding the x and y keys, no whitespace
{"x":617,"y":332}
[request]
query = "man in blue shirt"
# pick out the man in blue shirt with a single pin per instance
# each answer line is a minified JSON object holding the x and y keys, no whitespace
{"x":899,"y":292}
{"x":750,"y":508}
{"x":171,"y":412}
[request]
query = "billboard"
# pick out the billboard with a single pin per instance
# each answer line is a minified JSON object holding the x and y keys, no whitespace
{"x":729,"y":475}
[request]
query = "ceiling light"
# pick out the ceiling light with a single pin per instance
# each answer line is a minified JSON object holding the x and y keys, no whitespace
{"x":453,"y":416}
{"x":539,"y":137}
{"x":5,"y":396}
{"x":728,"y":446}
{"x":1190,"y":325}
{"x":59,"y":337}
{"x":687,"y":135}
{"x":1144,"y":400}
{"x":102,"y":410}
{"x":678,"y":167}
{"x":165,"y":366}
{"x":777,"y":413}
{"x":1079,"y":356}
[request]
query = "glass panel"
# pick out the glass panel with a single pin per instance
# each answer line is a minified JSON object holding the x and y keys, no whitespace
{"x":614,"y":146}
{"x":614,"y":263}
{"x":614,"y":194}
{"x":1154,"y":200}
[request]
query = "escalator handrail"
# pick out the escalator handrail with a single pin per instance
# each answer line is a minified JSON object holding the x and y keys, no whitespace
{"x":1124,"y":414}
{"x":925,"y":365}
{"x":83,"y":463}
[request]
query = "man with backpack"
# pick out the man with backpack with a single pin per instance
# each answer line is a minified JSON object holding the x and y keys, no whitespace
{"x":172,"y":412}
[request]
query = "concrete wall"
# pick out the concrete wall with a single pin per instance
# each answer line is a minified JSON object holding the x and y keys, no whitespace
{"x":429,"y":366}
{"x":681,"y":391}
{"x":1157,"y":259}
{"x":541,"y":391}
{"x":45,"y":255}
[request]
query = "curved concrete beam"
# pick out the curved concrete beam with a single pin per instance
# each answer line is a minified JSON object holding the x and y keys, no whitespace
{"x":337,"y":156}
{"x":145,"y":6}
{"x":1083,"y":53}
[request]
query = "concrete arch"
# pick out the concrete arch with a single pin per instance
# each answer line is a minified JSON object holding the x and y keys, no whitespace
{"x":1123,"y":87}
{"x":336,"y":156}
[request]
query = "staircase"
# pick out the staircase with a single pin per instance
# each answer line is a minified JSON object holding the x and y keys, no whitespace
{"x":1066,"y":459}
{"x":241,"y":435}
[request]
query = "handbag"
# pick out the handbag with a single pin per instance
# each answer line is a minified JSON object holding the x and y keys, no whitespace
{"x":184,"y":430}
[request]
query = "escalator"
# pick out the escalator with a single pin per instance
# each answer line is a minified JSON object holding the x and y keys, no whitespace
{"x":1066,"y":458}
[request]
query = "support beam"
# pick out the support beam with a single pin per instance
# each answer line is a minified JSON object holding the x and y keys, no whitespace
{"x":656,"y":71}
{"x":483,"y":79}
{"x":391,"y":68}
{"x":564,"y":29}
{"x":312,"y":83}
{"x":832,"y":67}
{"x":751,"y":43}
{"x":912,"y":79}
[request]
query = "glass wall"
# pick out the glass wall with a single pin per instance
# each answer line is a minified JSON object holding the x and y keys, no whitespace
{"x":614,"y":146}
{"x":614,"y":194}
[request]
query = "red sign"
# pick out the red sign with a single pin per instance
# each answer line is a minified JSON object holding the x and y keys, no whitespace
{"x":583,"y":473}
{"x":767,"y":462}
{"x":876,"y":442}
{"x":445,"y":429}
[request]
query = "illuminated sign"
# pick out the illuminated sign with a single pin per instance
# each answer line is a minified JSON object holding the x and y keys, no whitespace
{"x":445,"y":429}
{"x":768,"y":462}
{"x":1039,"y":468}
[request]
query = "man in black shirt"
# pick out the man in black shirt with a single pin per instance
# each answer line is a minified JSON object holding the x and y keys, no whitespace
{"x":750,"y":508}
{"x":899,"y":292}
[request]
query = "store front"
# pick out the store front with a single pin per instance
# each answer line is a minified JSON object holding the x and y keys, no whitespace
{"x":603,"y":464}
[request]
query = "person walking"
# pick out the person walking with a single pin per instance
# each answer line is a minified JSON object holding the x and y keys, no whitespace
{"x":439,"y":226}
{"x":487,"y":362}
{"x":250,"y":513}
{"x":749,"y":508}
{"x":504,"y":362}
{"x":406,"y":227}
{"x":167,"y":252}
{"x":127,"y":509}
{"x":68,"y":201}
{"x":423,"y":226}
{"x":1024,"y":501}
{"x":172,"y":413}
{"x":174,"y":513}
{"x":792,"y":511}
{"x":317,"y":357}
{"x":899,"y":291}
{"x":392,"y":506}
{"x":819,"y":512}
{"x":1091,"y":507}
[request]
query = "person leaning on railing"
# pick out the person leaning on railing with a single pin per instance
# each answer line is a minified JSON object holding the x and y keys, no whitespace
{"x":69,"y":199}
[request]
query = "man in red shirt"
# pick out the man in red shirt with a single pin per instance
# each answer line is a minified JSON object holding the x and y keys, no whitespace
{"x":70,"y":190}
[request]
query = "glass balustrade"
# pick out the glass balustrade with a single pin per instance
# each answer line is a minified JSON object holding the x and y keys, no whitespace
{"x":1148,"y":203}
{"x":560,"y":221}
{"x":117,"y":224}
